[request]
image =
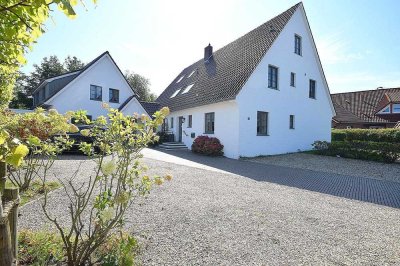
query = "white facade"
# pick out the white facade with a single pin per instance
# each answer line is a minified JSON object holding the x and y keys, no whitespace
{"x":103,"y":73}
{"x":236,"y":121}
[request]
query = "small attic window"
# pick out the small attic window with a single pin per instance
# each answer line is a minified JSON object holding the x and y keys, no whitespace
{"x":191,"y":73}
{"x":385,"y":110}
{"x":179,"y":80}
{"x":175,"y":93}
{"x":187,"y":89}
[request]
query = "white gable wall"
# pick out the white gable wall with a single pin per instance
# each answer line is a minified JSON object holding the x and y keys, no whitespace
{"x":312,"y":116}
{"x":76,"y":95}
{"x":226,"y":125}
{"x":132,"y":107}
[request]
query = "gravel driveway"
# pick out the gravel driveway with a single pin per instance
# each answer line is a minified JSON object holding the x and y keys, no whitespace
{"x":205,"y":217}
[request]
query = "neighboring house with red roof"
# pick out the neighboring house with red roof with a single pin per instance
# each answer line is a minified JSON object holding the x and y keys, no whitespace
{"x":100,"y":81}
{"x":379,"y":108}
{"x":264,"y":93}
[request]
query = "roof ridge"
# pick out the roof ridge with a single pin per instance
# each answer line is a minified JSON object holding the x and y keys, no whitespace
{"x":383,"y":89}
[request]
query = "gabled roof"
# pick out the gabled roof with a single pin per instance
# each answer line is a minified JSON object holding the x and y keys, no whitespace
{"x":151,"y":107}
{"x":59,"y":82}
{"x":223,"y":76}
{"x":361,"y":106}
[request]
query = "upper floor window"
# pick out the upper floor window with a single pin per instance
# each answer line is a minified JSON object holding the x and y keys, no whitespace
{"x":179,"y":80}
{"x":386,"y":110}
{"x":293,"y":79}
{"x":396,"y":108}
{"x":209,"y":123}
{"x":291,"y":121}
{"x":187,"y":88}
{"x":189,"y":121}
{"x":96,"y":93}
{"x":191,"y":73}
{"x":114,"y":96}
{"x":312,"y":89}
{"x":262,"y":123}
{"x":272,"y":77}
{"x":172,"y":122}
{"x":297,"y":44}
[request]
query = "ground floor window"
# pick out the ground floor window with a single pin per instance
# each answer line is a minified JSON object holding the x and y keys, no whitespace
{"x":209,"y":123}
{"x":291,"y":121}
{"x":262,"y":123}
{"x":172,"y":122}
{"x":189,"y":121}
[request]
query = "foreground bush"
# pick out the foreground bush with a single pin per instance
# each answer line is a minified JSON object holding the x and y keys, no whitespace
{"x":98,"y":207}
{"x":46,"y":248}
{"x":375,"y":135}
{"x":208,"y":146}
{"x":372,"y":151}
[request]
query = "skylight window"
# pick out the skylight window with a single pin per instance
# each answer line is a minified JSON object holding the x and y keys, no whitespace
{"x":187,"y":89}
{"x":175,"y":93}
{"x":179,"y":80}
{"x":191,"y":73}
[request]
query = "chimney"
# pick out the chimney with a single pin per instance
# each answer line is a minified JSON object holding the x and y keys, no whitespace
{"x":208,"y":53}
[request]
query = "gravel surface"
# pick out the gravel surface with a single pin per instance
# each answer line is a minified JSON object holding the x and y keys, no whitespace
{"x":337,"y":165}
{"x":205,"y":217}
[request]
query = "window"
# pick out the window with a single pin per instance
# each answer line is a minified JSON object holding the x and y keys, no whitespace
{"x":291,"y":121}
{"x":179,"y":80}
{"x":272,"y":77}
{"x":191,"y":73}
{"x":293,"y":79}
{"x":297,"y":44}
{"x":386,"y":110}
{"x":312,"y":89}
{"x":95,"y":93}
{"x":209,"y":123}
{"x":189,"y":121}
{"x":114,"y":95}
{"x":175,"y":93}
{"x":165,"y":125}
{"x":396,"y":108}
{"x":187,"y":88}
{"x":262,"y":123}
{"x":172,"y":122}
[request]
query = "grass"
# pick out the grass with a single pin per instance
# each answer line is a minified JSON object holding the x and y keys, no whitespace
{"x":35,"y":190}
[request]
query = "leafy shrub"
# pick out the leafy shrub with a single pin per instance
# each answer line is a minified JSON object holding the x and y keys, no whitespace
{"x":46,"y":248}
{"x":207,"y":145}
{"x":39,"y":248}
{"x":364,"y":150}
{"x":320,"y":145}
{"x":376,"y":135}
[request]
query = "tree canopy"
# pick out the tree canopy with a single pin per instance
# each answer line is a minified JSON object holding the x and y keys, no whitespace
{"x":21,"y":24}
{"x":141,"y":85}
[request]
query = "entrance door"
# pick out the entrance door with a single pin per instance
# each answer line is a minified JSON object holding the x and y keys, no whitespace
{"x":180,"y":122}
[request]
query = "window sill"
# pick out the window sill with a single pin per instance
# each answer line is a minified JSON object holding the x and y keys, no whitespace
{"x":277,"y":89}
{"x":262,"y":135}
{"x":208,"y":133}
{"x":113,"y":102}
{"x":97,"y":100}
{"x":312,"y":98}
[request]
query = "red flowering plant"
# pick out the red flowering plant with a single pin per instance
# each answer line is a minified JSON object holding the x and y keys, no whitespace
{"x":208,"y":146}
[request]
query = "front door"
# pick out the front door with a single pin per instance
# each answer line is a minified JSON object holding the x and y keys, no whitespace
{"x":180,"y":122}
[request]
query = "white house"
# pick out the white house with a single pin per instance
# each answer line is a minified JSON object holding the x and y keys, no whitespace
{"x":264,"y":93}
{"x":99,"y":81}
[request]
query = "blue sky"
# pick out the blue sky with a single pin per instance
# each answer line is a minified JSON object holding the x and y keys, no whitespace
{"x":358,"y":40}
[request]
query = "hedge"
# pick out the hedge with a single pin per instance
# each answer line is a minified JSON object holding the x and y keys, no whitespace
{"x":207,"y":145}
{"x":364,"y":150}
{"x":374,"y":135}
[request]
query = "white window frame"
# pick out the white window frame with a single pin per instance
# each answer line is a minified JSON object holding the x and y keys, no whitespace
{"x":187,"y":88}
{"x":175,"y":93}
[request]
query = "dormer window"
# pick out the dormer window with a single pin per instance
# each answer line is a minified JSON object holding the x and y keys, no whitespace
{"x":179,"y":80}
{"x":191,"y":73}
{"x":187,"y":89}
{"x":297,"y":44}
{"x":175,"y":93}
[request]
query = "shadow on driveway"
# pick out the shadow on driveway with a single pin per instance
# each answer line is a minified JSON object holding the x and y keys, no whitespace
{"x":351,"y":187}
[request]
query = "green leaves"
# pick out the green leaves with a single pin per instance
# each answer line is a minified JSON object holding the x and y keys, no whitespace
{"x":17,"y":155}
{"x":21,"y":24}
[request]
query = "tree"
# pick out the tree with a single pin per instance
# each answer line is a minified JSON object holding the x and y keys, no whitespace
{"x":20,"y":98}
{"x":21,"y":23}
{"x":141,"y":85}
{"x":49,"y":67}
{"x":73,"y":63}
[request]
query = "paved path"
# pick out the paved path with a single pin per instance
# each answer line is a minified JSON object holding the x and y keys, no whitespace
{"x":352,"y":187}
